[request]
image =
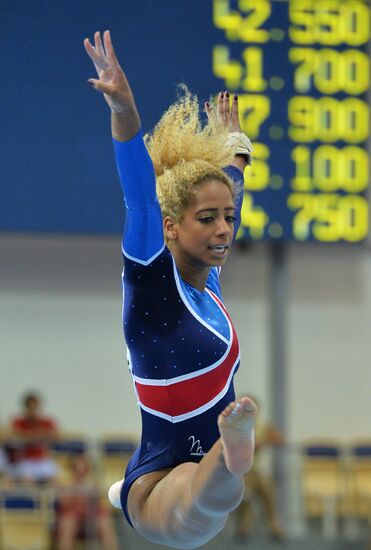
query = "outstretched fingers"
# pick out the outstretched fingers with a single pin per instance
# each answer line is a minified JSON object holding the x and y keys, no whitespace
{"x":110,"y":51}
{"x":98,"y":45}
{"x":100,"y":53}
{"x":235,"y":119}
{"x":97,"y":58}
{"x":220,"y":108}
{"x":227,"y":112}
{"x":105,"y":61}
{"x":227,"y":109}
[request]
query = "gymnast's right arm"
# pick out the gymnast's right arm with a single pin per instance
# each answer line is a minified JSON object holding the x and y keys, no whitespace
{"x":143,"y":236}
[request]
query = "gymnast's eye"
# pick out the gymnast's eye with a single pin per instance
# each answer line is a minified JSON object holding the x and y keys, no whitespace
{"x":230,"y":219}
{"x":206,"y":219}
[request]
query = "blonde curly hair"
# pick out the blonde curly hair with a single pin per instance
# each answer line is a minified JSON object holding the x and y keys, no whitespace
{"x":185,"y":153}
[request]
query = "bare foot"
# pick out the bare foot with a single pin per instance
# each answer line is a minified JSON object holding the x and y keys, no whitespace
{"x":236,"y":426}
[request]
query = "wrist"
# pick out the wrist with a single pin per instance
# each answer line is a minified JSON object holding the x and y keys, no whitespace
{"x":242,"y":145}
{"x":124,"y":125}
{"x":240,"y":162}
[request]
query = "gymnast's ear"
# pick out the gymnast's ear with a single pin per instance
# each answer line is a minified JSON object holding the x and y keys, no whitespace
{"x":170,"y":229}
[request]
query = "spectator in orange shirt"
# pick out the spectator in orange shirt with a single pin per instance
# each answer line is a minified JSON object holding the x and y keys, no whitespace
{"x":27,"y":443}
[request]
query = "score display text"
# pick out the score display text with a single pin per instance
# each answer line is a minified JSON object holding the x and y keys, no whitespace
{"x":301,"y":69}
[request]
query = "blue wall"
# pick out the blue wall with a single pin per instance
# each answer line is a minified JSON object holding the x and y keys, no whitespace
{"x":56,"y":164}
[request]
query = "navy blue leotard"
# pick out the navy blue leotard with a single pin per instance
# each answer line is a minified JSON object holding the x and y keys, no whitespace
{"x":182,"y":347}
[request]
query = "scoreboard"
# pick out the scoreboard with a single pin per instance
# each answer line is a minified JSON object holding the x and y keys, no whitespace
{"x":301,"y":69}
{"x":302,"y":72}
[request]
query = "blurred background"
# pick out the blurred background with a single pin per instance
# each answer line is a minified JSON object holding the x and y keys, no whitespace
{"x":297,"y":284}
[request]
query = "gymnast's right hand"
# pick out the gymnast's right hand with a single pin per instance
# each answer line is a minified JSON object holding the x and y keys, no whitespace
{"x":113,"y":83}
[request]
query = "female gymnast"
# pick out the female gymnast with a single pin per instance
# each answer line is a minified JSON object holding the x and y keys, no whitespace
{"x":182,"y":212}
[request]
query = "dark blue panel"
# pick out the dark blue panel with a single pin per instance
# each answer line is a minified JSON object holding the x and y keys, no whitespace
{"x":57,"y":168}
{"x":73,"y":446}
{"x":324,"y":451}
{"x":362,"y":451}
{"x":20,"y":502}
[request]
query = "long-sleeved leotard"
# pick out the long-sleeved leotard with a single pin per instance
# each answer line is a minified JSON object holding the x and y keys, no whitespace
{"x":182,"y":347}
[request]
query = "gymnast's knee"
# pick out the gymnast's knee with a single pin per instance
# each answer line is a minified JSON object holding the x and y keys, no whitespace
{"x":222,"y":503}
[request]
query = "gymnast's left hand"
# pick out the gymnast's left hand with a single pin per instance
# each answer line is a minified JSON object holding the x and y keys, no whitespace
{"x":226,"y":112}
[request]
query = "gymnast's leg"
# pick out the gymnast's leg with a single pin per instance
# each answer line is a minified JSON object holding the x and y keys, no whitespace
{"x":188,"y":505}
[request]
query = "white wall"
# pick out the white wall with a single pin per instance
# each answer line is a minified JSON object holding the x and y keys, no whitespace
{"x":60,"y":333}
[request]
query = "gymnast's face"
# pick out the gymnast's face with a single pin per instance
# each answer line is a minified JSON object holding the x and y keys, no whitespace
{"x":204,"y":235}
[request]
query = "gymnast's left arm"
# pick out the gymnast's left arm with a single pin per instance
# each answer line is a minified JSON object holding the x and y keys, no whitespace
{"x":227,"y":115}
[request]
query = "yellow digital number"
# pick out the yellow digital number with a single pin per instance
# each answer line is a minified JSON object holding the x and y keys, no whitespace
{"x":345,"y":169}
{"x":254,"y":110}
{"x":326,"y":173}
{"x":250,"y":30}
{"x":306,"y":211}
{"x":328,"y":126}
{"x":254,"y":81}
{"x":307,"y":61}
{"x":330,"y":169}
{"x":355,"y":22}
{"x":327,"y":119}
{"x":237,"y":27}
{"x":355,"y":218}
{"x":302,"y":16}
{"x":317,"y":215}
{"x":253,"y":217}
{"x":326,"y":227}
{"x":354,"y":169}
{"x":328,"y":76}
{"x":355,"y":72}
{"x":302,"y":159}
{"x":302,"y":117}
{"x":342,"y":71}
{"x":329,"y":22}
{"x":231,"y":71}
{"x":223,"y":67}
{"x":226,"y":19}
{"x":329,"y":217}
{"x":354,"y":122}
{"x":330,"y":71}
{"x":258,"y":174}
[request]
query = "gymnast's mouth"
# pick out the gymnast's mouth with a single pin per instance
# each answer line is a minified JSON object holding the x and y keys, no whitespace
{"x":219,"y":248}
